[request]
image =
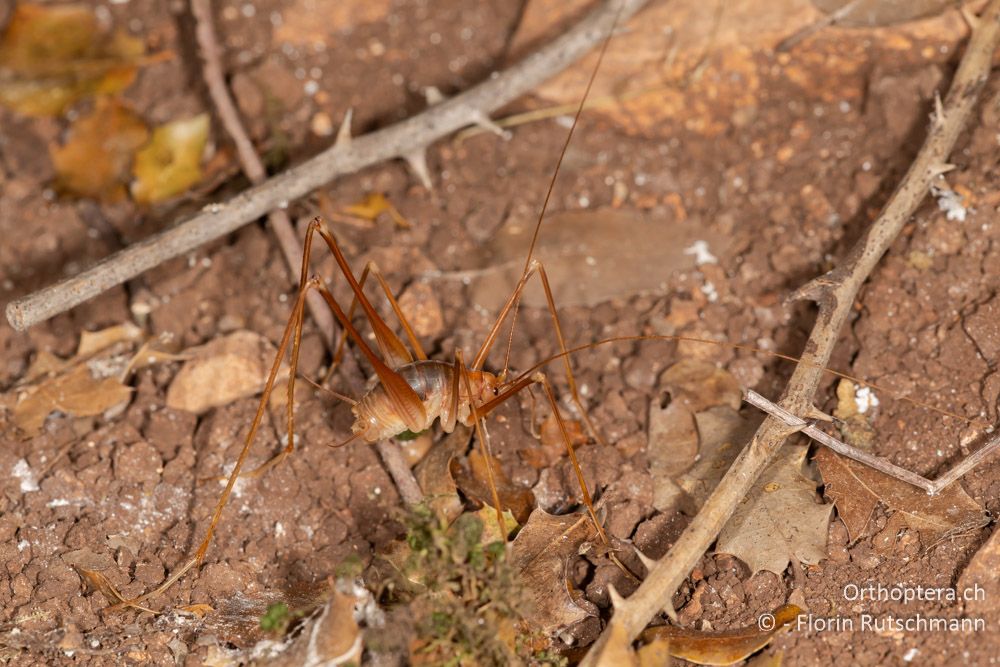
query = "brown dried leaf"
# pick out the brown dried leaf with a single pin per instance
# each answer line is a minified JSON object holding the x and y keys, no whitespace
{"x":474,"y":483}
{"x":722,"y":432}
{"x":779,"y":518}
{"x":701,"y":385}
{"x":591,"y":256}
{"x":52,"y":56}
{"x":721,"y":648}
{"x":672,"y":439}
{"x":171,"y":162}
{"x":92,"y":342}
{"x":220,"y":372}
{"x":95,"y":161}
{"x":857,"y":489}
{"x":874,"y":13}
{"x":101,"y":584}
{"x":77,"y":392}
{"x":540,"y":553}
{"x":434,"y":476}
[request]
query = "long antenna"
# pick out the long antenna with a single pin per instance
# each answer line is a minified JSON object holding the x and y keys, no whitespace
{"x":555,"y":174}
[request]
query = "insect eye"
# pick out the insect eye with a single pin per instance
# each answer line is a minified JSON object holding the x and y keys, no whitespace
{"x":496,"y":391}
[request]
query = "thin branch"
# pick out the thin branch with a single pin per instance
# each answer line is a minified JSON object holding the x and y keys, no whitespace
{"x":883,"y":465}
{"x":407,"y":138}
{"x":834,"y":293}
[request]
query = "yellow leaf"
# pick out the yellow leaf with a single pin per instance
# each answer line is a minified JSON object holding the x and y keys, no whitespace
{"x":52,"y":56}
{"x":92,"y":342}
{"x":95,"y":160}
{"x":375,"y":204}
{"x":198,"y":610}
{"x":171,"y":162}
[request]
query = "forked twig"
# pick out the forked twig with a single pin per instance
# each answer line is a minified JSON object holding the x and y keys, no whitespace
{"x":932,"y":487}
{"x":834,"y":293}
{"x":406,"y":139}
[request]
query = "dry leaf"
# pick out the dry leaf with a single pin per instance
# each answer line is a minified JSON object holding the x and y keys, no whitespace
{"x":198,"y":609}
{"x":591,"y":257}
{"x":721,"y":648}
{"x":474,"y":483}
{"x":101,"y":584}
{"x":779,"y":518}
{"x":78,"y":392}
{"x":702,"y":385}
{"x":722,"y":432}
{"x":540,"y":553}
{"x":92,"y":342}
{"x":220,"y":372}
{"x":433,"y":474}
{"x":171,"y":162}
{"x":874,"y":13}
{"x":51,"y":56}
{"x":491,"y":526}
{"x":672,"y":435}
{"x":372,"y":206}
{"x":857,"y":489}
{"x":95,"y":161}
{"x":671,"y":440}
{"x":981,"y":572}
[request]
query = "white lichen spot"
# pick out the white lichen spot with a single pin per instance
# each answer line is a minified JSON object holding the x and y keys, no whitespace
{"x":951,"y":203}
{"x":23,"y":544}
{"x":708,"y":289}
{"x":279,"y":530}
{"x":910,"y":654}
{"x":240,"y":484}
{"x":865,"y":399}
{"x":58,"y":502}
{"x":23,"y":472}
{"x":701,"y":253}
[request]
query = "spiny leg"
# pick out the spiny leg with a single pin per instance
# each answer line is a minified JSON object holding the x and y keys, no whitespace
{"x":371,"y":268}
{"x":588,"y":501}
{"x":512,"y":301}
{"x":484,"y":441}
{"x":539,"y":378}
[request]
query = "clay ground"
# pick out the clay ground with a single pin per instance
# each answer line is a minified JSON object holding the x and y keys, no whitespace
{"x":779,"y":162}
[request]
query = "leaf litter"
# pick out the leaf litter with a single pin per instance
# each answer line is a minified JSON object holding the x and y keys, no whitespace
{"x":53,"y":56}
{"x":171,"y":162}
{"x":857,"y":490}
{"x":90,"y":383}
{"x":96,"y":159}
{"x":780,"y":518}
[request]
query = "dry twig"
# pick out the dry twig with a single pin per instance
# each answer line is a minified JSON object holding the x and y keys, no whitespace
{"x":407,"y":139}
{"x":834,"y":293}
{"x":883,"y":465}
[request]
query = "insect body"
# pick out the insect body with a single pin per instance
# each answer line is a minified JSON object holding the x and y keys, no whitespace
{"x":436,"y":384}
